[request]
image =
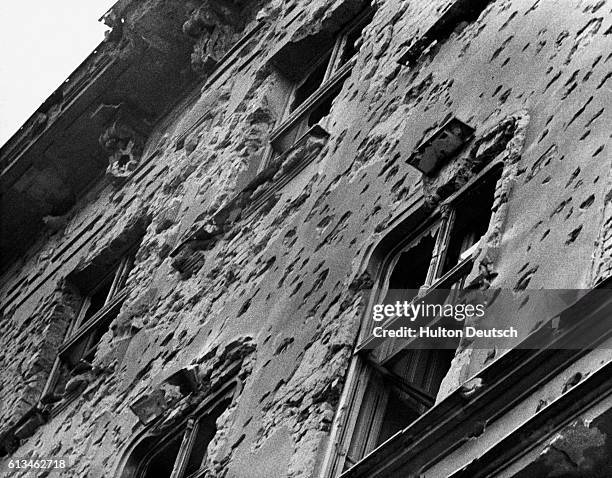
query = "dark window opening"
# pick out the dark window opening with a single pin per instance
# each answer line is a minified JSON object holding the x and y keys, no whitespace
{"x":123,"y":160}
{"x":98,"y":309}
{"x":94,"y":302}
{"x":472,"y":218}
{"x":310,"y":84}
{"x":397,"y":394}
{"x":398,"y":415}
{"x":323,"y":108}
{"x":410,"y":271}
{"x":353,"y":42}
{"x":162,"y":463}
{"x":206,"y":431}
{"x":457,"y":16}
{"x":181,"y":455}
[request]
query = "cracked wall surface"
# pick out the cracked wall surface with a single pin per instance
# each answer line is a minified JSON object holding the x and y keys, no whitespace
{"x":279,"y":287}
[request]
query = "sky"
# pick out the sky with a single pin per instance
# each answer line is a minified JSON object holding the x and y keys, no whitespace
{"x":41,"y":43}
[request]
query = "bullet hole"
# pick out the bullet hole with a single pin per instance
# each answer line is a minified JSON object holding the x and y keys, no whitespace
{"x":579,"y":112}
{"x":573,"y":235}
{"x":525,"y":266}
{"x":605,"y":79}
{"x":560,"y":207}
{"x":284,"y":345}
{"x":505,"y":95}
{"x":323,"y":223}
{"x":296,"y":289}
{"x":525,"y":279}
{"x":244,"y":307}
{"x":572,"y":78}
{"x":594,"y":118}
{"x":573,"y":177}
{"x":598,"y":150}
{"x":503,"y":46}
{"x":507,"y":22}
{"x":587,"y":202}
{"x":392,"y":172}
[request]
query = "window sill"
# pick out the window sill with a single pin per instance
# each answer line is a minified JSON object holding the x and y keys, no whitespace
{"x":85,"y":328}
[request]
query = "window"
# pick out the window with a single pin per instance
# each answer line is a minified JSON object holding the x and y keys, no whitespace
{"x":394,"y":384}
{"x":312,"y":97}
{"x":182,"y":452}
{"x":99,"y":306}
{"x":395,"y":394}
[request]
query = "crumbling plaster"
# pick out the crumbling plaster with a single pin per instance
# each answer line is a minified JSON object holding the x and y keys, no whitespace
{"x":283,"y":276}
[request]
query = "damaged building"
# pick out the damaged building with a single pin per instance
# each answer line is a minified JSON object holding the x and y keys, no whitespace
{"x":197,"y":222}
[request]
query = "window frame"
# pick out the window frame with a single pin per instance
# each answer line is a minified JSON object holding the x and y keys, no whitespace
{"x":186,"y":430}
{"x":442,"y":219}
{"x":335,"y":75}
{"x":364,"y":364}
{"x":81,"y":333}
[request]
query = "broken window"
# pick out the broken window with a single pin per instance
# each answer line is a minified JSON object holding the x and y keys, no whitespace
{"x":454,"y":17}
{"x":313,"y":94}
{"x":395,"y":395}
{"x":470,"y":220}
{"x":99,"y":306}
{"x":392,"y":382}
{"x":182,"y":452}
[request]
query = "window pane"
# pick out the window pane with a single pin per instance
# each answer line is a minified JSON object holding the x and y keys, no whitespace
{"x":310,"y":84}
{"x":98,"y":299}
{"x":410,"y":271}
{"x":398,"y":415}
{"x":162,"y":463}
{"x":323,"y":109}
{"x":471,"y":220}
{"x":423,"y":368}
{"x":207,"y":428}
{"x":352,"y":45}
{"x":367,"y":426}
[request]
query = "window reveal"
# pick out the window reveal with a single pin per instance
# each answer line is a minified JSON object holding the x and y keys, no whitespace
{"x":100,"y":305}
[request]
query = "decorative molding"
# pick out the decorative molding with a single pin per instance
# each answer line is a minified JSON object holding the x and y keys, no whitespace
{"x":123,"y":139}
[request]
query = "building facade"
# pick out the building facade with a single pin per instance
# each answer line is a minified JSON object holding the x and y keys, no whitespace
{"x":198,"y":224}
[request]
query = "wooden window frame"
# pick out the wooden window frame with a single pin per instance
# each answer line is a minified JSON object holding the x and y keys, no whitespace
{"x":335,"y":75}
{"x":187,"y":431}
{"x":365,"y":365}
{"x":81,"y":333}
